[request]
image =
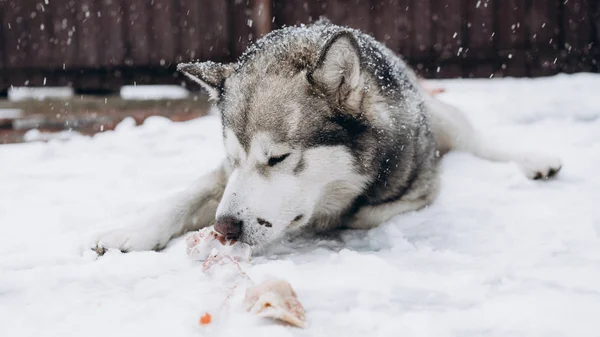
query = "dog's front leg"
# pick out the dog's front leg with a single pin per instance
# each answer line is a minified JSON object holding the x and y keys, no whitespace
{"x":191,"y":209}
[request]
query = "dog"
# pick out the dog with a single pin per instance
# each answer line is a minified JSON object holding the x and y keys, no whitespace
{"x":324,"y":128}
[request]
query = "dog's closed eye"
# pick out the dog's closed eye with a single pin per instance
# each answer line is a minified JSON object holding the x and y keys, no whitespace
{"x":276,"y":160}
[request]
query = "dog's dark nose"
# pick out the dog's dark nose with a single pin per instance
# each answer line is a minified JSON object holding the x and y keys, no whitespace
{"x":229,"y":226}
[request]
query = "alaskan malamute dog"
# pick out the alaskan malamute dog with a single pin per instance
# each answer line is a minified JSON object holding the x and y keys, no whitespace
{"x":324,"y":127}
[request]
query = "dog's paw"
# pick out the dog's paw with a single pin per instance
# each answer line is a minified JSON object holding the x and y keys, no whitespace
{"x":539,"y":166}
{"x":129,"y":239}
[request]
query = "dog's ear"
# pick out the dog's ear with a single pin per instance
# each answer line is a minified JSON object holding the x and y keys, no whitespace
{"x":337,"y":71}
{"x":210,"y":75}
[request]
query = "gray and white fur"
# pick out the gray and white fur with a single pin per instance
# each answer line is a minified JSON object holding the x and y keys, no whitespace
{"x":324,"y":127}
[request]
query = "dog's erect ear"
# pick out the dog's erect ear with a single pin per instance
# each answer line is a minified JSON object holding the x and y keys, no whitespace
{"x":337,"y":71}
{"x":210,"y":75}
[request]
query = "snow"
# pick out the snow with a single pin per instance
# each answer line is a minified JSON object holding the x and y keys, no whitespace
{"x":495,"y":255}
{"x":34,"y":135}
{"x":17,"y":94}
{"x":151,"y":92}
{"x":128,"y":92}
{"x":11,"y":113}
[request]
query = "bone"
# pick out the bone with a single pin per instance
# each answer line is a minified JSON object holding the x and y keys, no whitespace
{"x":277,"y":300}
{"x":201,"y":244}
{"x":273,"y":299}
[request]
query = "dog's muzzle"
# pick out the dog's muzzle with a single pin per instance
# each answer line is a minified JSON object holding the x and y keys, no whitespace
{"x":229,"y":226}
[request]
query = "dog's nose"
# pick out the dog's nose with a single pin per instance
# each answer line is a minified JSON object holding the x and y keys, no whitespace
{"x":229,"y":226}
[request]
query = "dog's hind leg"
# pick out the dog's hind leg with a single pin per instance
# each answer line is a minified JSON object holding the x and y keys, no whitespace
{"x":454,"y":132}
{"x":192,"y":209}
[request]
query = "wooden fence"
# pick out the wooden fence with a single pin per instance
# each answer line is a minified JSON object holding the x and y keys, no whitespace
{"x":99,"y":45}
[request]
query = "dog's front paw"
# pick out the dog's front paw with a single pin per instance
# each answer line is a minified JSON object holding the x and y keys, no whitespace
{"x":128,"y":239}
{"x":539,"y":166}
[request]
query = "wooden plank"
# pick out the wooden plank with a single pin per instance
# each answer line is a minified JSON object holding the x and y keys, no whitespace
{"x":544,"y":37}
{"x":112,"y":43}
{"x":163,"y":32}
{"x":448,"y":36}
{"x":39,"y":53}
{"x":16,"y":39}
{"x":191,"y":30}
{"x":577,"y":36}
{"x":261,"y":16}
{"x":392,"y":25}
{"x":290,"y":13}
{"x":422,"y":27}
{"x":356,"y":15}
{"x":62,"y":20}
{"x":215,"y":31}
{"x":511,"y":37}
{"x":3,"y":29}
{"x":241,"y":26}
{"x":596,"y":41}
{"x":335,"y":11}
{"x":87,"y":34}
{"x":64,"y":51}
{"x":421,"y":43}
{"x":4,"y":80}
{"x":204,"y":31}
{"x":480,"y":38}
{"x":137,"y":34}
{"x":33,"y":43}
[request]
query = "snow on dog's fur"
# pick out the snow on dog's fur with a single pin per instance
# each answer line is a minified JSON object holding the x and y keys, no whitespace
{"x":324,"y":127}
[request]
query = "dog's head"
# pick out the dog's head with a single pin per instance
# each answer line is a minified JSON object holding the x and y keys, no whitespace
{"x":291,"y":127}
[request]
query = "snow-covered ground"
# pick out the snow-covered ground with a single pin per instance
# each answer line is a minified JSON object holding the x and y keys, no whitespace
{"x":127,"y":92}
{"x":145,"y":92}
{"x":495,"y":255}
{"x":17,"y":94}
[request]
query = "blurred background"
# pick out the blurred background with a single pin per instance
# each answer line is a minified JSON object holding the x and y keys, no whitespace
{"x":95,"y":50}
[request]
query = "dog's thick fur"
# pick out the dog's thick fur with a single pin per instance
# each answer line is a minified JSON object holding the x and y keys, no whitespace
{"x":324,"y":127}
